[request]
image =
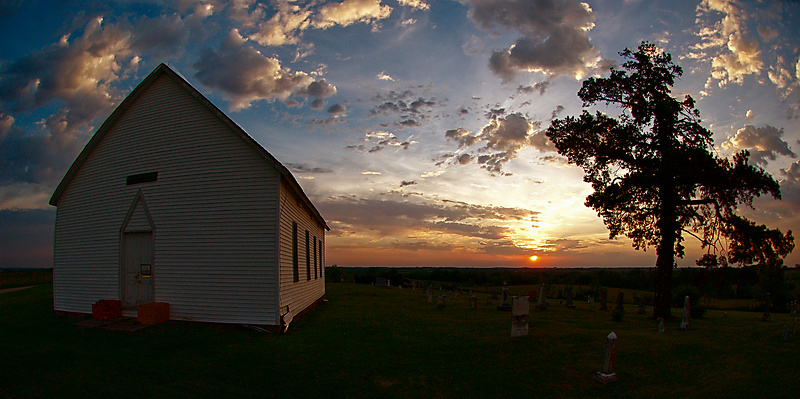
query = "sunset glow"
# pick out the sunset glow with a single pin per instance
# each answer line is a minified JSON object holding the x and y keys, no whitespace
{"x":416,"y":128}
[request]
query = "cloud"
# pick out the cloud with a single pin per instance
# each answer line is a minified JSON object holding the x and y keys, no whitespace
{"x":79,"y":73}
{"x":405,"y":183}
{"x":245,"y":75}
{"x":304,"y":168}
{"x":284,"y":27}
{"x":337,"y":109}
{"x":415,"y":4}
{"x":734,"y":56}
{"x":39,"y":157}
{"x":411,"y":112}
{"x":541,"y":87}
{"x":764,"y":143}
{"x":503,"y":138}
{"x":554,"y":36}
{"x":318,"y":89}
{"x":349,"y":12}
{"x":790,"y":190}
{"x":381,"y":139}
{"x":398,"y":216}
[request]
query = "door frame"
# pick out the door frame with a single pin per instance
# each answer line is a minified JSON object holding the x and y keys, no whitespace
{"x":138,"y":204}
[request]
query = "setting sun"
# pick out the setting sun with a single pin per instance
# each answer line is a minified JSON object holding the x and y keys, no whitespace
{"x":533,"y":258}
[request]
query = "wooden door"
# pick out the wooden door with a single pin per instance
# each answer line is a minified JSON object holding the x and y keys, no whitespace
{"x":138,"y":269}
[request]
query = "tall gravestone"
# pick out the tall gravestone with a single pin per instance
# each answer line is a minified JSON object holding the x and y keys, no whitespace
{"x":660,"y":324}
{"x":440,"y":302}
{"x":542,"y":303}
{"x":687,"y":311}
{"x":473,"y":301}
{"x":519,"y":316}
{"x":430,"y":295}
{"x":504,"y":304}
{"x":608,"y":374}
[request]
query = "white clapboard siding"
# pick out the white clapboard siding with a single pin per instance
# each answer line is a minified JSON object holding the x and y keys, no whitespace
{"x":300,"y":294}
{"x":214,"y":209}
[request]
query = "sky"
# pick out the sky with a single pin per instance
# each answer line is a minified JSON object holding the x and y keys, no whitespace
{"x":415,"y":127}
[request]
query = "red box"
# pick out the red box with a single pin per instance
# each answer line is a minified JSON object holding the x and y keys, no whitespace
{"x":107,"y":309}
{"x":152,"y":313}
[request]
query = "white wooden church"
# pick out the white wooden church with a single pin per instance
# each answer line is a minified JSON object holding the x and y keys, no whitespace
{"x":171,"y":201}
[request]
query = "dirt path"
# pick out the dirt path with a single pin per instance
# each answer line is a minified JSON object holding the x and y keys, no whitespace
{"x":16,"y":289}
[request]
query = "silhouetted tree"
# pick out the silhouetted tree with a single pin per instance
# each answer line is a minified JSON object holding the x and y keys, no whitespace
{"x":655,"y":173}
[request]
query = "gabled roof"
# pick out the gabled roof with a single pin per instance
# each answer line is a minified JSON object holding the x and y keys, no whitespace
{"x":164,"y":70}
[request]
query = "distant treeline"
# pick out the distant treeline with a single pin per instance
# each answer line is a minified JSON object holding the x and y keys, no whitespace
{"x":722,"y":283}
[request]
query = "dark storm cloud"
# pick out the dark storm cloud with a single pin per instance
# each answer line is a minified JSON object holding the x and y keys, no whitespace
{"x":554,"y":35}
{"x":405,"y":183}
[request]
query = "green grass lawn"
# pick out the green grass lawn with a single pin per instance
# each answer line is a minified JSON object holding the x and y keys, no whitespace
{"x":384,"y":343}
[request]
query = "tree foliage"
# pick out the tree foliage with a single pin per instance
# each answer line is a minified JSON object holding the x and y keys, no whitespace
{"x":655,"y":173}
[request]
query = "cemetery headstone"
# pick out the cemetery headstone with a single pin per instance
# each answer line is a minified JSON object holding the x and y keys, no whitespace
{"x":542,"y":303}
{"x":440,"y":302}
{"x":608,"y":374}
{"x":590,"y":301}
{"x":570,"y":303}
{"x":686,"y":313}
{"x":504,"y":304}
{"x":430,"y":296}
{"x":473,"y":302}
{"x":660,"y":324}
{"x":604,"y":300}
{"x":767,"y":305}
{"x":519,"y":316}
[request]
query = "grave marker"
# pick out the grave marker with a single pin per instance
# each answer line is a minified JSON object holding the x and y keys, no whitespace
{"x":504,"y":305}
{"x":519,"y":316}
{"x":608,"y":374}
{"x":660,"y":324}
{"x":473,"y":302}
{"x":542,"y":303}
{"x":430,"y":296}
{"x":440,"y":302}
{"x":686,"y":313}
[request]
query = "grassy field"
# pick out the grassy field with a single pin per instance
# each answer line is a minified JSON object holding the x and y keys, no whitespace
{"x":384,"y":343}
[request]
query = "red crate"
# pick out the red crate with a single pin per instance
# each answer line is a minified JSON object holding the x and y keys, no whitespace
{"x":107,"y":309}
{"x":152,"y":313}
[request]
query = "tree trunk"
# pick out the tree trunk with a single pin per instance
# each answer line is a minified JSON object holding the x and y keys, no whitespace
{"x":667,"y":224}
{"x":663,"y":297}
